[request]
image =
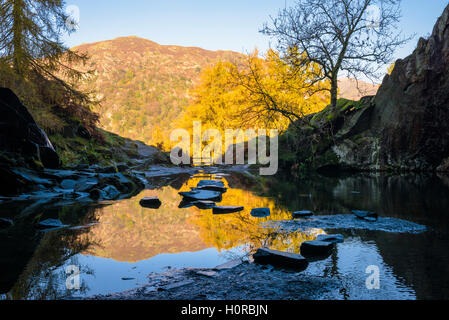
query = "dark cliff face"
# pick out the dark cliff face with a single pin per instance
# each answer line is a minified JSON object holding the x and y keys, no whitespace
{"x":404,"y":127}
{"x":20,"y":136}
{"x":411,"y":113}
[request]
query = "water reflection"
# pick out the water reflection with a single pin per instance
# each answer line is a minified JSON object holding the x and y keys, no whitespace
{"x":123,"y":242}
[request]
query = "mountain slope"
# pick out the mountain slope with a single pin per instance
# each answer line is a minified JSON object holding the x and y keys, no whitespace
{"x":145,"y":86}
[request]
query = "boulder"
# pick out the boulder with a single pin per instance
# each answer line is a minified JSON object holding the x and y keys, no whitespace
{"x":281,"y":259}
{"x":20,"y":136}
{"x":260,"y":212}
{"x":227,"y":209}
{"x":316,"y":248}
{"x":333,"y":238}
{"x":151,"y":202}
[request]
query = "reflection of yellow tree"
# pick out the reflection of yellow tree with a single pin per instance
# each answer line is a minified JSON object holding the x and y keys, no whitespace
{"x":229,"y":231}
{"x":128,"y":232}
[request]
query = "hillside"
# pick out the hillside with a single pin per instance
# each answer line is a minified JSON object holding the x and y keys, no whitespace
{"x":352,"y":89}
{"x":144,"y":86}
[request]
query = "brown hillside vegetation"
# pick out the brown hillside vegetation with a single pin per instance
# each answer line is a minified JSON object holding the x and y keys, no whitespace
{"x":354,"y":90}
{"x":145,"y":86}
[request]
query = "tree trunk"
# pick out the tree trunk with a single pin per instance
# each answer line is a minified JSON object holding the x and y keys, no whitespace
{"x":17,"y":29}
{"x":334,"y":91}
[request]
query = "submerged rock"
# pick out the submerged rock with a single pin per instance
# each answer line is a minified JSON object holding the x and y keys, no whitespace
{"x":260,"y":212}
{"x":280,"y":259}
{"x":227,"y":209}
{"x":316,"y":248}
{"x":151,"y":202}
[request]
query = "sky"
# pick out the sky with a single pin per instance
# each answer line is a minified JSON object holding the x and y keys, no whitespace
{"x":211,"y":24}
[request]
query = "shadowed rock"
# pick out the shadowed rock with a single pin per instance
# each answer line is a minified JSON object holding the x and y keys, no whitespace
{"x":227,"y":209}
{"x":302,"y":214}
{"x":311,"y":249}
{"x":151,"y":202}
{"x":260,"y":212}
{"x":280,"y":259}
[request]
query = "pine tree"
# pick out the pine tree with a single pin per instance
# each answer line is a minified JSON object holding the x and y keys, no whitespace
{"x":34,"y":61}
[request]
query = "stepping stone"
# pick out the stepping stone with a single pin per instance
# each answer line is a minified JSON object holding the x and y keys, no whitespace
{"x":281,"y":259}
{"x":227,"y":209}
{"x":50,"y":224}
{"x":316,"y":248}
{"x":333,"y":238}
{"x":212,"y":188}
{"x":215,"y":183}
{"x":302,"y":214}
{"x":260,"y":212}
{"x":205,"y":205}
{"x":366,"y":215}
{"x":201,"y":195}
{"x":151,"y":202}
{"x":185,"y":204}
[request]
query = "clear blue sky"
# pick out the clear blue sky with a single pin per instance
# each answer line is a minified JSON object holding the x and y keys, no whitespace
{"x":211,"y":24}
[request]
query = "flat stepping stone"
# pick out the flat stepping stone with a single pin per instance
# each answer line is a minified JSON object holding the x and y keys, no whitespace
{"x":215,"y":183}
{"x":185,"y":204}
{"x":316,"y":248}
{"x":333,"y":238}
{"x":281,"y":259}
{"x":302,"y":214}
{"x":205,"y":205}
{"x":260,"y":212}
{"x":212,"y":188}
{"x":227,"y":209}
{"x":366,"y":215}
{"x":201,"y":195}
{"x":50,"y":224}
{"x":151,"y":202}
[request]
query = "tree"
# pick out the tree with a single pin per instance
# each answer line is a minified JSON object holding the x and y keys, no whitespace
{"x":358,"y":37}
{"x":277,"y":94}
{"x":35,"y":61}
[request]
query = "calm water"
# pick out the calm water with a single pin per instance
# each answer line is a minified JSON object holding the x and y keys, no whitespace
{"x":116,"y":245}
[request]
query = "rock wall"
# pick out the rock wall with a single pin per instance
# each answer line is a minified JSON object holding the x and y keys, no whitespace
{"x":404,"y":127}
{"x":411,"y":113}
{"x":20,"y":136}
